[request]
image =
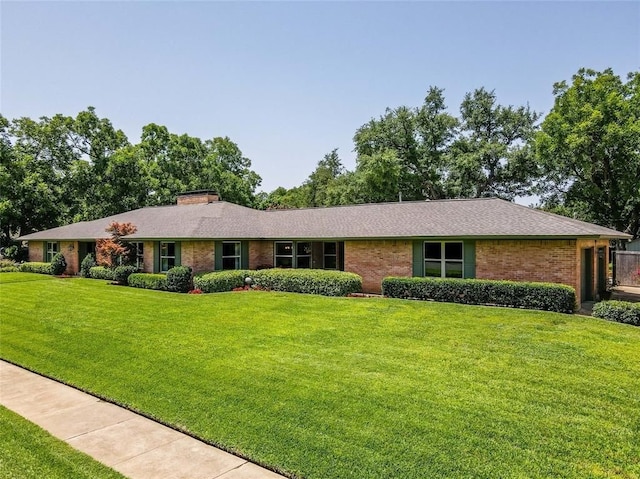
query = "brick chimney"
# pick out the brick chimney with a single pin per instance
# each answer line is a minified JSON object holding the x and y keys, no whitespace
{"x":198,"y":197}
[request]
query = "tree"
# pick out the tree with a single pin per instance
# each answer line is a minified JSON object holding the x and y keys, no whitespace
{"x":492,"y":156}
{"x":110,"y":251}
{"x":418,"y":138}
{"x":589,"y":149}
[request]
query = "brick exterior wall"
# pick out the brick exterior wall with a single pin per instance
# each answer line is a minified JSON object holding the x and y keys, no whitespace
{"x":36,"y":251}
{"x":554,"y":261}
{"x":198,"y":198}
{"x":373,"y":260}
{"x":147,"y":258}
{"x":69,"y":249}
{"x":260,"y":253}
{"x":200,"y":255}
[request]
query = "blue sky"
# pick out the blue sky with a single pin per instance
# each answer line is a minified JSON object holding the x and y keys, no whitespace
{"x":290,"y":81}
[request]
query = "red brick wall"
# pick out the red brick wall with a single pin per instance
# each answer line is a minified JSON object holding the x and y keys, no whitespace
{"x":36,"y":251}
{"x":197,"y":198}
{"x":147,"y":258}
{"x":373,"y":260}
{"x":69,"y":250}
{"x":260,"y":253}
{"x":199,"y":255}
{"x":527,"y":260}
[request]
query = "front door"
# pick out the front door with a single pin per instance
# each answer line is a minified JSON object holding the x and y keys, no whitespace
{"x":586,"y":276}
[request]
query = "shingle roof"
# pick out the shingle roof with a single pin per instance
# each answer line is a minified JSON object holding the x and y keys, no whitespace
{"x":445,"y":218}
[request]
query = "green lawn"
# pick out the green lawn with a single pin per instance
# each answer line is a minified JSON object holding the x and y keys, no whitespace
{"x":29,"y":452}
{"x":333,"y":388}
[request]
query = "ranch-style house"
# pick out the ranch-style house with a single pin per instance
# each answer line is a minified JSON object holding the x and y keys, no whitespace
{"x":472,"y":238}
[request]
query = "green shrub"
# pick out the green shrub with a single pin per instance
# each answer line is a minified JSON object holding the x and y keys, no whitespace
{"x":58,"y":264}
{"x":9,"y":269}
{"x":122,"y":273}
{"x":220,"y":281}
{"x":179,"y":279}
{"x":36,"y":267}
{"x":619,"y":311}
{"x":544,"y":296}
{"x":312,"y":281}
{"x":100,"y":272}
{"x":148,"y":281}
{"x":6,"y":263}
{"x":87,"y":263}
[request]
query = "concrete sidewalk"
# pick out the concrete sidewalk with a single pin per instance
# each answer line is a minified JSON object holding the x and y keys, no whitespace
{"x":131,"y":444}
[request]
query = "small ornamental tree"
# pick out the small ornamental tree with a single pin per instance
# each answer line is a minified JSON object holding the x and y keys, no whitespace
{"x":108,"y":250}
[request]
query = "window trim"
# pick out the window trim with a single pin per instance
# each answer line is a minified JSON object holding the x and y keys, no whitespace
{"x":51,"y":252}
{"x":297,"y":256}
{"x":443,"y":259}
{"x":139,"y":256}
{"x":325,"y":255}
{"x":238,"y":257}
{"x":276,"y":255}
{"x":167,"y":256}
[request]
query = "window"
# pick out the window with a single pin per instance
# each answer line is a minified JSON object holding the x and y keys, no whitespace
{"x":443,"y":259}
{"x":231,"y":255}
{"x":284,"y":254}
{"x":167,"y":256}
{"x":52,"y":250}
{"x":136,"y":252}
{"x":330,"y":252}
{"x":303,"y":255}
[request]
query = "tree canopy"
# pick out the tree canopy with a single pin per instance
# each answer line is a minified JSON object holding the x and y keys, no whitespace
{"x":589,"y":149}
{"x":58,"y":170}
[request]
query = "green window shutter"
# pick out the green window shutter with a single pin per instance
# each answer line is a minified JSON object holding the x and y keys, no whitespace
{"x":44,"y":251}
{"x":178,"y":255}
{"x":244,"y":251}
{"x":218,"y":256}
{"x":156,"y":256}
{"x":418,"y":258}
{"x":469,"y":259}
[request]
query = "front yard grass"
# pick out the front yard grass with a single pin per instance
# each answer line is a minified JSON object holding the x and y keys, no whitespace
{"x":29,"y":452}
{"x":339,"y":387}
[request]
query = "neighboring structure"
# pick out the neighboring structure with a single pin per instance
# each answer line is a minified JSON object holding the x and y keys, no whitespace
{"x":477,"y":238}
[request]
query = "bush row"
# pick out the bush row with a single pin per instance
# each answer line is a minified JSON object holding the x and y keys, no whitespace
{"x":312,"y":281}
{"x":9,"y":269}
{"x":35,"y":267}
{"x":544,"y":296}
{"x":57,"y":266}
{"x":220,"y":281}
{"x":100,"y":272}
{"x":619,"y":311}
{"x":148,"y":281}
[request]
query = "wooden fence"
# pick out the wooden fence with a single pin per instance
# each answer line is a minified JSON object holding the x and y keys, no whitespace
{"x":628,"y":268}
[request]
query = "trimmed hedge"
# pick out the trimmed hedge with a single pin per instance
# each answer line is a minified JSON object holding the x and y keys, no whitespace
{"x":36,"y":267}
{"x":618,"y":311}
{"x":148,"y":281}
{"x":9,"y":269}
{"x":121,"y":273}
{"x":179,"y":279}
{"x":311,"y":281}
{"x":220,"y":281}
{"x":544,"y":296}
{"x":100,"y":272}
